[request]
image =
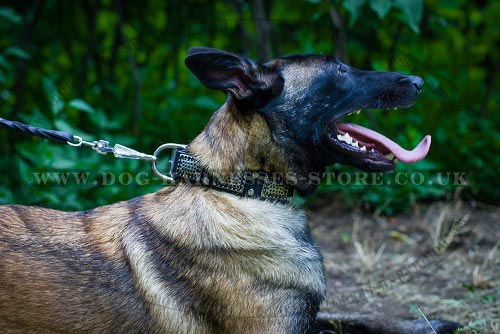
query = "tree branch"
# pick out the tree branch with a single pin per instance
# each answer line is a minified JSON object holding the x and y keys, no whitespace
{"x":136,"y":112}
{"x":492,"y":71}
{"x":114,"y":53}
{"x":263,"y":30}
{"x":244,"y":35}
{"x":18,"y":87}
{"x":340,"y":36}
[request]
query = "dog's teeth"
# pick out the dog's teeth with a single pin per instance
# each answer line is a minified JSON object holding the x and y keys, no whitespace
{"x":362,"y":148}
{"x":355,"y":112}
{"x":347,"y":138}
{"x":339,"y":137}
{"x":354,"y":143}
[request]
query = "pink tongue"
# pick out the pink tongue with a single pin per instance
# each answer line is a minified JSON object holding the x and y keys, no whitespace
{"x":369,"y":136}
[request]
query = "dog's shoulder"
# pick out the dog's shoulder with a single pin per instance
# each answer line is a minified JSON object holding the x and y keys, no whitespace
{"x":223,"y":219}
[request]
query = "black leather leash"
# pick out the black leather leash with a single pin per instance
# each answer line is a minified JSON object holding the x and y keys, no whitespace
{"x":57,"y":136}
{"x":100,"y":146}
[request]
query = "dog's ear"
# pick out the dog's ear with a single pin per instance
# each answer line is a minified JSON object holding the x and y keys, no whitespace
{"x":245,"y":79}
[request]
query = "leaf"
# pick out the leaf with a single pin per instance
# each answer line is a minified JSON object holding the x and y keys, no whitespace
{"x":381,"y":7}
{"x":9,"y":14}
{"x":412,"y":11}
{"x":81,"y":105}
{"x":36,"y":118}
{"x":206,"y":102}
{"x":62,"y":125}
{"x":477,"y":323}
{"x":55,"y":101}
{"x":17,"y":52}
{"x":4,"y":63}
{"x":353,"y":7}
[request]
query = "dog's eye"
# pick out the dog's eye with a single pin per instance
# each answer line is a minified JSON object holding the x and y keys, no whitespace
{"x":341,"y":70}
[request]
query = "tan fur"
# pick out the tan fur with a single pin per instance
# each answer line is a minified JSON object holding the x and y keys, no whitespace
{"x":261,"y":237}
{"x":246,"y":137}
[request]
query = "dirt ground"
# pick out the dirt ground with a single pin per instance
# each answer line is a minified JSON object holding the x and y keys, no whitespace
{"x":442,"y":258}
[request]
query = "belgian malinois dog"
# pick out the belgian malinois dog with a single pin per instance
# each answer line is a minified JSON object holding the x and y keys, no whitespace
{"x":216,"y":253}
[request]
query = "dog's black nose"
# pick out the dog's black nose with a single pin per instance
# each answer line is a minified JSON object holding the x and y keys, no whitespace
{"x":418,"y":82}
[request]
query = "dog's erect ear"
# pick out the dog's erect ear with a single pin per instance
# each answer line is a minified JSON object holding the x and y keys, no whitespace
{"x":243,"y":78}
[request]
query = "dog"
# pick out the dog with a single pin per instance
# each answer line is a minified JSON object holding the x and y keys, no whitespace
{"x":223,"y":251}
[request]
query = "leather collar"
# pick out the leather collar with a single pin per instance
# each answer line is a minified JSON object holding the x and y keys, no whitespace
{"x":249,"y":184}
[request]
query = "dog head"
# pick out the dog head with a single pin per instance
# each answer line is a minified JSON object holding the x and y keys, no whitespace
{"x":302,"y":99}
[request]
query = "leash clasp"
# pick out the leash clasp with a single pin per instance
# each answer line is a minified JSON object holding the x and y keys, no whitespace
{"x":102,"y":146}
{"x":174,"y":147}
{"x":119,"y":151}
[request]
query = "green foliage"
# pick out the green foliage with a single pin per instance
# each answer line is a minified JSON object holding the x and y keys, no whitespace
{"x":10,"y":15}
{"x":81,"y":105}
{"x":126,"y":83}
{"x":381,"y":7}
{"x":354,"y":9}
{"x":411,"y":10}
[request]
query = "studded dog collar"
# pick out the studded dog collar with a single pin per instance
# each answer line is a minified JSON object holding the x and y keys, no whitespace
{"x":250,"y":184}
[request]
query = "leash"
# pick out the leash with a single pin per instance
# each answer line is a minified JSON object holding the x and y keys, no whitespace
{"x":58,"y":136}
{"x":183,"y":166}
{"x":100,"y":146}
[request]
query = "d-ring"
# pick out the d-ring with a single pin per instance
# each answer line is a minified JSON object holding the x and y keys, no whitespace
{"x":168,"y":178}
{"x":79,"y":141}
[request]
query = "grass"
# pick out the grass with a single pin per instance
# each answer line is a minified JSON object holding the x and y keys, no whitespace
{"x":449,"y":251}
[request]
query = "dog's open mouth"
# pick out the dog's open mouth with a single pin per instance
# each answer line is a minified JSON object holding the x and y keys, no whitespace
{"x":370,"y":150}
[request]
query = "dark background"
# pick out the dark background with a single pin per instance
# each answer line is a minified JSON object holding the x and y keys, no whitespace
{"x":113,"y":69}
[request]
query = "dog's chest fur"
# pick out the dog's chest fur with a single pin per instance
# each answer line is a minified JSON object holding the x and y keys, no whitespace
{"x":223,"y":261}
{"x":182,"y":260}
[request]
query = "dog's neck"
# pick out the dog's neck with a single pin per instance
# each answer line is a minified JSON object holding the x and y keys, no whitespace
{"x":233,"y":142}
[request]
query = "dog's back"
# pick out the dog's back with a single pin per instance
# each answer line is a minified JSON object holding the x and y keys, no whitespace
{"x":60,"y":273}
{"x":179,"y":261}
